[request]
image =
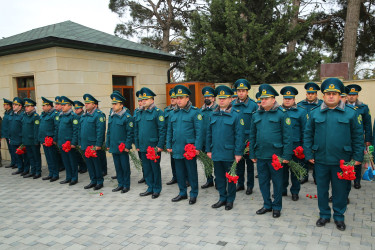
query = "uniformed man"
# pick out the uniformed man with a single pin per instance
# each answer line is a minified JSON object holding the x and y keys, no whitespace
{"x":257,"y":96}
{"x":92,"y":133}
{"x":101,"y":152}
{"x":140,"y":102}
{"x":47,"y":128}
{"x":206,"y":111}
{"x":271,"y":133}
{"x":363,"y":110}
{"x":82,"y":167}
{"x":5,"y":130}
{"x":58,"y":110}
{"x":298,"y":116}
{"x":333,"y":132}
{"x":120,"y":130}
{"x":15,"y":136}
{"x":309,"y":103}
{"x":167,"y":113}
{"x":185,"y":127}
{"x":234,"y":96}
{"x":246,"y":106}
{"x":30,"y":132}
{"x":149,"y":130}
{"x":67,"y":130}
{"x":225,"y":144}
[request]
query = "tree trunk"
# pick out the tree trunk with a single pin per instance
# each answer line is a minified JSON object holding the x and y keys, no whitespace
{"x":293,"y":23}
{"x":165,"y":42}
{"x":350,"y":35}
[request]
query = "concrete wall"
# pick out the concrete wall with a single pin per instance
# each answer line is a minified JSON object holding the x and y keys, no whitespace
{"x":72,"y":73}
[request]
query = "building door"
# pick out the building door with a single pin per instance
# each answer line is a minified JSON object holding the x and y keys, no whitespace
{"x":125,"y":85}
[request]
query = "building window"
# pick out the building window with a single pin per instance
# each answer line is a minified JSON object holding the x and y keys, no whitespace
{"x":125,"y":85}
{"x":26,"y":87}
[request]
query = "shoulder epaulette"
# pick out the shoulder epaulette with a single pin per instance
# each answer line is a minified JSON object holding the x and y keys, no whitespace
{"x":193,"y":107}
{"x":314,"y":108}
{"x":282,"y":109}
{"x":157,"y":109}
{"x":302,"y":107}
{"x":236,"y":110}
{"x":127,"y":116}
{"x":350,"y":106}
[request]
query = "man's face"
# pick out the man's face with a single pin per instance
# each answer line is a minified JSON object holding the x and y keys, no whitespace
{"x":182,"y":101}
{"x":46,"y":108}
{"x":90,"y":106}
{"x":147,"y":102}
{"x":66,"y":107}
{"x":224,"y":102}
{"x":78,"y":110}
{"x":210,"y":98}
{"x":7,"y":106}
{"x":331,"y":99}
{"x":116,"y":107}
{"x":173,"y":101}
{"x":16,"y":107}
{"x":58,"y":107}
{"x":242,"y":94}
{"x":288,"y":102}
{"x":267,"y":103}
{"x":311,"y":96}
{"x":29,"y":108}
{"x":352,"y":98}
{"x":344,"y":98}
{"x":140,"y":103}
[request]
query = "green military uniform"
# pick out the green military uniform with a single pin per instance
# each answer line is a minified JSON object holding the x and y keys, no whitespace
{"x":92,"y":133}
{"x":120,"y":130}
{"x":82,"y":167}
{"x":136,"y":111}
{"x":331,"y":135}
{"x":30,"y":132}
{"x":59,"y":158}
{"x":149,"y":130}
{"x":67,"y":130}
{"x":185,"y":127}
{"x":270,"y":133}
{"x":47,"y":128}
{"x":5,"y":132}
{"x":225,"y":140}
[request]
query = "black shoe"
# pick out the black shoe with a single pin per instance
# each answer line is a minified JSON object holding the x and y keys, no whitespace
{"x":28,"y":175}
{"x":64,"y":182}
{"x":340,"y":225}
{"x":62,"y":169}
{"x":315,"y":182}
{"x":73,"y":183}
{"x":114,"y":177}
{"x":192,"y":200}
{"x":117,"y":189}
{"x":330,"y":199}
{"x":17,"y":172}
{"x":179,"y":198}
{"x":256,"y":176}
{"x":46,"y":178}
{"x":125,"y":190}
{"x":171,"y":182}
{"x":155,"y":195}
{"x":229,"y":206}
{"x":322,"y":222}
{"x":14,"y":166}
{"x":54,"y":179}
{"x":37,"y":176}
{"x":142,"y":180}
{"x":357,"y":186}
{"x":98,"y":186}
{"x":187,"y":184}
{"x":249,"y":191}
{"x":348,"y":201}
{"x":24,"y":173}
{"x":295,"y":197}
{"x":264,"y":210}
{"x":207,"y":185}
{"x":304,"y":180}
{"x":219,"y":204}
{"x":276,"y":213}
{"x":145,"y":193}
{"x":9,"y":166}
{"x":240,"y":188}
{"x":82,"y":171}
{"x":91,"y":185}
{"x":285,"y":194}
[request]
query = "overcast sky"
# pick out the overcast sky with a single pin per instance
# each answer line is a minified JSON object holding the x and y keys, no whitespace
{"x":17,"y":16}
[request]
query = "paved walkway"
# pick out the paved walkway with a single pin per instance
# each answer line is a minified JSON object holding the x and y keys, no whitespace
{"x":37,"y":214}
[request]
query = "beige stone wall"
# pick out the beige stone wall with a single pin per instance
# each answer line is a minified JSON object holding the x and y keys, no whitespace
{"x":71,"y":72}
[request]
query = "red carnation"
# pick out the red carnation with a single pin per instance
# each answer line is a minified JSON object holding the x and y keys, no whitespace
{"x":48,"y":141}
{"x":121,"y":147}
{"x":190,"y":151}
{"x":90,"y":152}
{"x":152,"y":154}
{"x":276,"y":162}
{"x":298,"y":152}
{"x":21,"y":150}
{"x":347,"y":173}
{"x":66,"y":146}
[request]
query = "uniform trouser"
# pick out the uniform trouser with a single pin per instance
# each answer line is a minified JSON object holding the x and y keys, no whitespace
{"x":22,"y":161}
{"x":358,"y":174}
{"x":296,"y":185}
{"x":227,"y":190}
{"x":59,"y":160}
{"x":241,"y":172}
{"x":51,"y":158}
{"x":81,"y":161}
{"x":95,"y":170}
{"x":326,"y":174}
{"x":143,"y":170}
{"x":266,"y":173}
{"x":33,"y":154}
{"x":188,"y":167}
{"x":103,"y":159}
{"x":122,"y":166}
{"x":152,"y":173}
{"x":12,"y":153}
{"x":70,"y":163}
{"x":173,"y":167}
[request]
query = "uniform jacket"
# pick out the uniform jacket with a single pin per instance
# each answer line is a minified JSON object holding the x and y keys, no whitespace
{"x":67,"y":128}
{"x":298,"y":116}
{"x":30,"y":128}
{"x":15,"y":127}
{"x":310,"y":105}
{"x":364,"y":111}
{"x":91,"y":129}
{"x":206,"y":114}
{"x":6,"y":123}
{"x":47,"y":125}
